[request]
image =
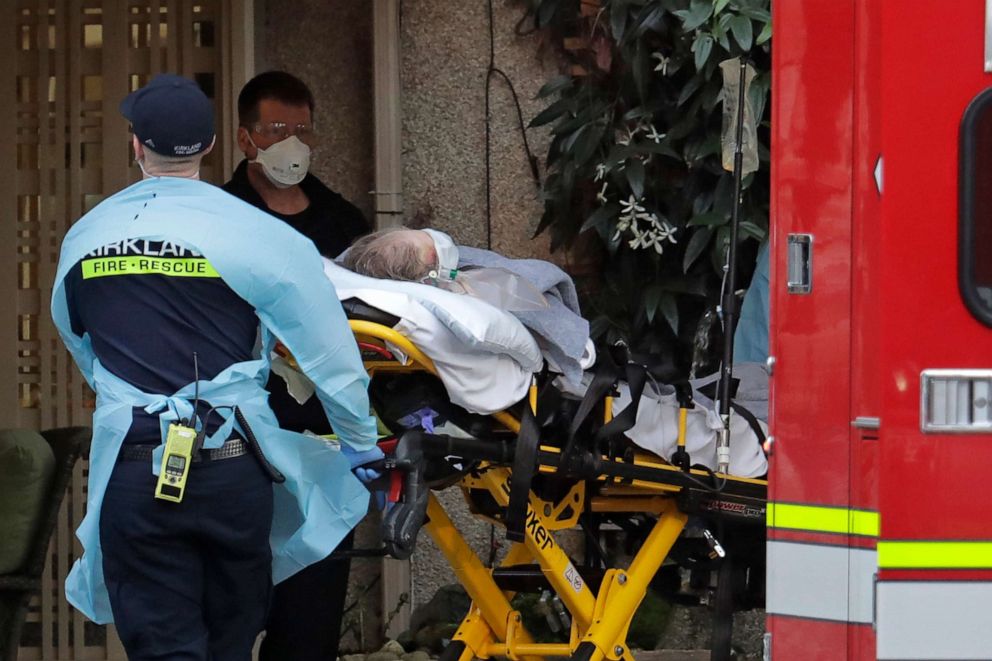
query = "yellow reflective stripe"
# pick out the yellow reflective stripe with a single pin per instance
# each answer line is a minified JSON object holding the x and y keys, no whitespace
{"x":839,"y":520}
{"x":185,"y":267}
{"x":865,"y":522}
{"x":934,"y":555}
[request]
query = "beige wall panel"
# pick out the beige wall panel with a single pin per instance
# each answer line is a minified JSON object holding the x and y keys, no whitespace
{"x":9,"y":186}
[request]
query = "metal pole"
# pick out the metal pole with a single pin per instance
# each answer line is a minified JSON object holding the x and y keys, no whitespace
{"x":729,"y":302}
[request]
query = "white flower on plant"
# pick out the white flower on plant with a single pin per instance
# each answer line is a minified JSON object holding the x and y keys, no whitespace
{"x":600,"y":171}
{"x":653,"y":134}
{"x":601,"y":196}
{"x":666,"y":231}
{"x":622,"y":224}
{"x":663,"y":61}
{"x":630,"y":207}
{"x":640,"y":240}
{"x":653,"y":236}
{"x":635,"y":243}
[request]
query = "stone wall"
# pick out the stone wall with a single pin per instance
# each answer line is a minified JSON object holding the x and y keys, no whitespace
{"x":445,"y":56}
{"x":328,"y":44}
{"x":445,"y":53}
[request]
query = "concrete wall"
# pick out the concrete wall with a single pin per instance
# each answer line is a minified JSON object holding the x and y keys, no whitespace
{"x":328,"y":44}
{"x":445,"y":53}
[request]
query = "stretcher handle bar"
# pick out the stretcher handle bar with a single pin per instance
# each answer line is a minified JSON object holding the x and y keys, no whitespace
{"x":590,"y":467}
{"x":441,"y":445}
{"x":380,"y":332}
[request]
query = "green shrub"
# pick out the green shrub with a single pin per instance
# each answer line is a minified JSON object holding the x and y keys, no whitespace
{"x":634,"y":165}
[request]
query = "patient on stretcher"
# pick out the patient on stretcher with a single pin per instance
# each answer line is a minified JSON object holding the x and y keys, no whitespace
{"x":542,"y":299}
{"x":416,"y":256}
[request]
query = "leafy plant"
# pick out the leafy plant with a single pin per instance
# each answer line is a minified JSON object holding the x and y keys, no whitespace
{"x":634,"y":162}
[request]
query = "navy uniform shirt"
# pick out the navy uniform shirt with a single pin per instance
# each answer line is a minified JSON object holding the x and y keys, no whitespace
{"x":148,"y":306}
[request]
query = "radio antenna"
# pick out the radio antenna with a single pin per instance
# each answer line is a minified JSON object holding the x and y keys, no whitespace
{"x":196,"y":390}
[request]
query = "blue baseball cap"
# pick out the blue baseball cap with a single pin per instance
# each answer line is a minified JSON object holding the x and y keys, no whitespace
{"x":171,"y":116}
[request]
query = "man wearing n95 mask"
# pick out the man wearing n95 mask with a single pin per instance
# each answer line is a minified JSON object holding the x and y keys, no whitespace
{"x":276,"y":134}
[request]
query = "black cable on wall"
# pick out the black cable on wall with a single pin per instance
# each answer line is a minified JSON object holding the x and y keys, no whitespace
{"x":493,"y":72}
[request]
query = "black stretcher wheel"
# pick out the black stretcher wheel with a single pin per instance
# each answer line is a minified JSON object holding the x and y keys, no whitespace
{"x":723,"y":613}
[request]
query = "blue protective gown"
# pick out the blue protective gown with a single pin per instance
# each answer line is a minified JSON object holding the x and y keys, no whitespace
{"x":278,"y":272}
{"x":751,"y":336}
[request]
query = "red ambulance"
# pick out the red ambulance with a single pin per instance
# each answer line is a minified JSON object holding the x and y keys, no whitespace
{"x":879,"y":515}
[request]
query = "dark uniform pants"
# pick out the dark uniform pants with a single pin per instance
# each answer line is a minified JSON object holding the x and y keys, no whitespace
{"x":305,"y":621}
{"x":189,"y":581}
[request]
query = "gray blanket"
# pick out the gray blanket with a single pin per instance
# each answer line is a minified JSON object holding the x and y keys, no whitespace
{"x":560,"y":330}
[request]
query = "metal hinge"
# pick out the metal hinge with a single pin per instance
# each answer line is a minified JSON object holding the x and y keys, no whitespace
{"x":874,"y":601}
{"x":866,"y":422}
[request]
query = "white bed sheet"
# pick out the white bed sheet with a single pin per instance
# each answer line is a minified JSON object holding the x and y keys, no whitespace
{"x":656,"y":429}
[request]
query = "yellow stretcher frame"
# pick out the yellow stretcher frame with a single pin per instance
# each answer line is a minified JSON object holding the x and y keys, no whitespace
{"x":600,"y":620}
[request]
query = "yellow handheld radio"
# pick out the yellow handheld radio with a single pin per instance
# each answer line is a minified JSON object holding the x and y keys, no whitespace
{"x":180,"y":444}
{"x":175,"y":463}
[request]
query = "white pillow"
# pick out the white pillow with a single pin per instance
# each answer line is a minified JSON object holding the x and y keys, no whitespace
{"x":478,"y":381}
{"x":476,"y":323}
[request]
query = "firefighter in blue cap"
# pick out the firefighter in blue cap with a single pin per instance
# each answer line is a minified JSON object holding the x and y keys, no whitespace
{"x":197,"y":500}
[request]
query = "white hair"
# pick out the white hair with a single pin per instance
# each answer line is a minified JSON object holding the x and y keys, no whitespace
{"x":387,"y":254}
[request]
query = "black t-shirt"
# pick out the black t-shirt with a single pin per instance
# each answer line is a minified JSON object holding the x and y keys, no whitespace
{"x":332,"y":223}
{"x":148,"y":306}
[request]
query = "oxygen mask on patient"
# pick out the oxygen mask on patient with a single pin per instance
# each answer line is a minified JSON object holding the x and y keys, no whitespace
{"x":498,"y":287}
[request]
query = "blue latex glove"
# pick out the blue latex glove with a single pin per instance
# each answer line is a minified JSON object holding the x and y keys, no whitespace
{"x":358,"y":459}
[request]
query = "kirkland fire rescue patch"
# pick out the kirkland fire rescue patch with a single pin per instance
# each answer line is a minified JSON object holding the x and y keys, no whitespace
{"x":140,"y":257}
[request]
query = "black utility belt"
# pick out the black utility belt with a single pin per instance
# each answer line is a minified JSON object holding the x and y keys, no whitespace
{"x":233,"y":447}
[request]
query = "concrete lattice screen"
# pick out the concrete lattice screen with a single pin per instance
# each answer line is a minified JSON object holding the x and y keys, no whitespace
{"x":63,"y":148}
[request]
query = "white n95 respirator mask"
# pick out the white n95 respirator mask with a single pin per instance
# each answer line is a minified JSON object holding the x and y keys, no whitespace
{"x":285,"y":163}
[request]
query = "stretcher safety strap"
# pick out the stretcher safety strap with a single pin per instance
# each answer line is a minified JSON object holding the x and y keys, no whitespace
{"x":524,"y":468}
{"x":928,"y":554}
{"x":818,"y":518}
